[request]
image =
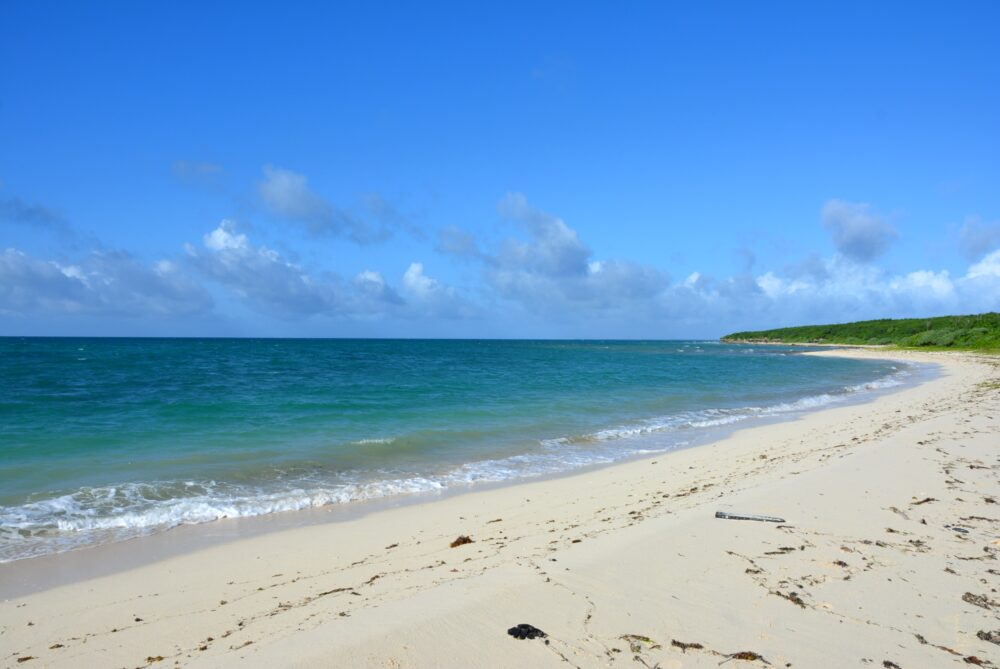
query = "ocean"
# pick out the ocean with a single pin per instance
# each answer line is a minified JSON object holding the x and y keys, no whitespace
{"x":107,"y":439}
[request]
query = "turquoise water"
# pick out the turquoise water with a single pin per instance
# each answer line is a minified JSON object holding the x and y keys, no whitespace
{"x":104,"y":439}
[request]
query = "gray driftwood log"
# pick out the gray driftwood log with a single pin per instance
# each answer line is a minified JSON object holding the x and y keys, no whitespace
{"x":748,"y":516}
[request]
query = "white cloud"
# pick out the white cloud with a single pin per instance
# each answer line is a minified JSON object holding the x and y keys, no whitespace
{"x":553,"y":274}
{"x":261,"y":277}
{"x":843,"y":291}
{"x":988,"y":267}
{"x":374,"y":290}
{"x":429,"y":297}
{"x":225,"y":237}
{"x":268,"y":282}
{"x":857,"y":233}
{"x":102,"y":283}
{"x":553,"y":268}
{"x":419,"y":284}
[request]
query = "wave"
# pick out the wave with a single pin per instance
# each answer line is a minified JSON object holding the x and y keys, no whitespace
{"x":94,"y":515}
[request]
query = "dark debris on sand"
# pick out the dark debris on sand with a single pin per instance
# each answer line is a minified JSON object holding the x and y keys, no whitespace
{"x":461,"y":541}
{"x":526,"y":631}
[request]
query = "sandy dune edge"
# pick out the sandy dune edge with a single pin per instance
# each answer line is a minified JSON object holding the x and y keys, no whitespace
{"x":615,"y":565}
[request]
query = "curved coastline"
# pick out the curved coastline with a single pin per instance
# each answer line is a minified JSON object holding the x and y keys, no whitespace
{"x":91,"y":559}
{"x":624,"y":443}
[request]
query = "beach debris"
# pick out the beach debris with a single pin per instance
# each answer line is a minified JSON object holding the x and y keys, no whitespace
{"x":25,"y":658}
{"x":992,"y":637}
{"x":956,"y":528}
{"x":391,"y":546}
{"x":685,"y":646}
{"x":890,"y":665}
{"x":743,"y":516}
{"x":972,"y":659}
{"x":461,"y":541}
{"x":980,"y":600}
{"x":924,"y":501}
{"x":746,"y":655}
{"x":525,"y":631}
{"x":59,"y":645}
{"x":154,"y":658}
{"x":327,"y":592}
{"x":636,"y":641}
{"x":782,"y":550}
{"x":793,"y":597}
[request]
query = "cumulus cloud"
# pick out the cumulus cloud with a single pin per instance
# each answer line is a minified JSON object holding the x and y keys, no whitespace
{"x":287,"y":194}
{"x":552,"y":267}
{"x":103,"y":283}
{"x":261,"y":276}
{"x":977,"y":238}
{"x":857,"y":233}
{"x":268,"y":282}
{"x":987,"y":268}
{"x":554,"y":274}
{"x":16,"y":210}
{"x":429,"y":297}
{"x":842,"y":291}
{"x":374,"y":290}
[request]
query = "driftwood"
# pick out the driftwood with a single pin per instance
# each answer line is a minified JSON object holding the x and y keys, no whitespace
{"x":745,"y":516}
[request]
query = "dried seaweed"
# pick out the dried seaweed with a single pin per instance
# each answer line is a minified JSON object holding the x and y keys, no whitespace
{"x":992,"y":637}
{"x":979,"y":600}
{"x":635,"y":642}
{"x":793,"y":597}
{"x":461,"y":541}
{"x":746,"y":655}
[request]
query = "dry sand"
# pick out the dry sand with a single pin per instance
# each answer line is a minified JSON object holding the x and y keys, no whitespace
{"x":888,"y":558}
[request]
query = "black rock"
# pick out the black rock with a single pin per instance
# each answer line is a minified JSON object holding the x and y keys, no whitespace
{"x":526,"y":631}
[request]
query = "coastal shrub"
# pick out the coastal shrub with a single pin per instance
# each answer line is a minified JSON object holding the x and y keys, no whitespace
{"x":977,"y":332}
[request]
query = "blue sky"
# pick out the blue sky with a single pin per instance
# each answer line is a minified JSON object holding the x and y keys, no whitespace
{"x":517,"y":170}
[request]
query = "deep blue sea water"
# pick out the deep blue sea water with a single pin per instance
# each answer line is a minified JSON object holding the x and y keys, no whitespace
{"x":105,"y":439}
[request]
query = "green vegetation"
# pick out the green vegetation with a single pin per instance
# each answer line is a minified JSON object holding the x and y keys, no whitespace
{"x":980,"y":332}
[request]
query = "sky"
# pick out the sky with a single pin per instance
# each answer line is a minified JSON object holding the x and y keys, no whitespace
{"x":539,"y":169}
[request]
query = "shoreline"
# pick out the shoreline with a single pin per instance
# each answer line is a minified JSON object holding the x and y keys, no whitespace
{"x":626,"y":549}
{"x":29,"y":575}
